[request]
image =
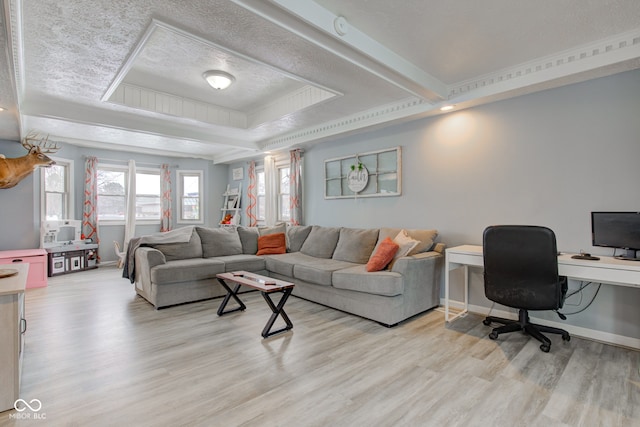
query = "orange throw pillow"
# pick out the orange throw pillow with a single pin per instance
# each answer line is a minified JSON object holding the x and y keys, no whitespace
{"x":383,"y":255}
{"x":272,"y":244}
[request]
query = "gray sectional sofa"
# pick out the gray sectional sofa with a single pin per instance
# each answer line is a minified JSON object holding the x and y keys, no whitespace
{"x":327,"y":265}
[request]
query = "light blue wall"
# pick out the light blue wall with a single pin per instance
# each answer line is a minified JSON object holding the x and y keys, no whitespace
{"x":20,"y":206}
{"x":548,"y":158}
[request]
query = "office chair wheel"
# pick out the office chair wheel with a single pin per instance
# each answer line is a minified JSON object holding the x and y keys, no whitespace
{"x":493,"y":335}
{"x":545,"y":347}
{"x":486,"y":322}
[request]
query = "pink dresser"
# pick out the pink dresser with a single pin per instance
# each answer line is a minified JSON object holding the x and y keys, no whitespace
{"x":37,"y":260}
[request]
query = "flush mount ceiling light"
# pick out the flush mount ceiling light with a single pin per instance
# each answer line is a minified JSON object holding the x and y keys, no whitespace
{"x":218,"y":79}
{"x":447,"y":108}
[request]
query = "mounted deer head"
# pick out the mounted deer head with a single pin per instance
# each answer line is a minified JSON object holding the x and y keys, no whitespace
{"x":12,"y":171}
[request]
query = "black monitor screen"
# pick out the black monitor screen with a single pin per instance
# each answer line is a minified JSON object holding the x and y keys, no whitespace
{"x":616,"y":229}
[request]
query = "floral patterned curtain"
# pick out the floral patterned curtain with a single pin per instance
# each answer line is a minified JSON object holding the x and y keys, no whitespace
{"x":295,"y":182}
{"x":165,"y":198}
{"x":252,"y":193}
{"x":90,"y":213}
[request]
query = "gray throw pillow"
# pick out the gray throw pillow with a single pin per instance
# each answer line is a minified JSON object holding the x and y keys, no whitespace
{"x":174,"y":251}
{"x":321,"y":242}
{"x":249,"y":239}
{"x":355,"y":245}
{"x":219,"y":242}
{"x":278,"y":228}
{"x":296,"y":235}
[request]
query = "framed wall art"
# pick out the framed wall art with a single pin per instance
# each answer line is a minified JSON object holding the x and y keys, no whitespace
{"x":238,"y":174}
{"x":371,"y":174}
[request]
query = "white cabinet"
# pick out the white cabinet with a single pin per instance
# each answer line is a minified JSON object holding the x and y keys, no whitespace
{"x":13,"y":325}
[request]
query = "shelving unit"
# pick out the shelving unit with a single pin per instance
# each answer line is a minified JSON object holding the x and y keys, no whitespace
{"x":231,"y":206}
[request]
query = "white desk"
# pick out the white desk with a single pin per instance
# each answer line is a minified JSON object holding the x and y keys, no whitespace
{"x":607,"y":270}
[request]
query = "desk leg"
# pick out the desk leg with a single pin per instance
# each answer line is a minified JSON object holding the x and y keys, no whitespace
{"x":446,"y":290}
{"x":466,"y":290}
{"x":277,"y":310}
{"x":230,"y":293}
{"x":447,"y":312}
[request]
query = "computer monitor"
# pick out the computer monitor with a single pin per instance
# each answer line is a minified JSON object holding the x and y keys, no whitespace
{"x":620,"y":230}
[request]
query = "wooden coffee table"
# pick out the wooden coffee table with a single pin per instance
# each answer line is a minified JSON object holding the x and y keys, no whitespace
{"x":266,"y":285}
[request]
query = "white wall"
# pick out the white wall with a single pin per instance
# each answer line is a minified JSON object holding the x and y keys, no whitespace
{"x":548,"y":158}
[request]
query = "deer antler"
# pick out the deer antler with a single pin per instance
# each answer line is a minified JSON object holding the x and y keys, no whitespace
{"x":43,"y":143}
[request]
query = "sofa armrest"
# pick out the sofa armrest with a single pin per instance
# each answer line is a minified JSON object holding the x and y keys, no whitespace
{"x":146,"y":258}
{"x":422,"y":276}
{"x":418,"y":261}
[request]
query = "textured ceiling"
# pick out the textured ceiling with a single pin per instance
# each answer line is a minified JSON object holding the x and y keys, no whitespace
{"x":127,"y":74}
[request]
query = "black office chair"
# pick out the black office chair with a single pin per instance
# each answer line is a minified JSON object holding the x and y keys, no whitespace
{"x":521,"y":271}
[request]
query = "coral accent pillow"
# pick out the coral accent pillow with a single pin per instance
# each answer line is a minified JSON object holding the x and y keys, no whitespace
{"x":383,"y":255}
{"x":272,"y":244}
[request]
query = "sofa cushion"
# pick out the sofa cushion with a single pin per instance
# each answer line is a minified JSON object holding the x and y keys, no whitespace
{"x":383,"y":255}
{"x":356,"y":278}
{"x":242,"y":262}
{"x":272,"y":244}
{"x":176,"y":251}
{"x":283,"y":264}
{"x":425,"y":237}
{"x":296,"y":235}
{"x":249,"y":239}
{"x":319,"y":271}
{"x":321,"y":242}
{"x":219,"y":241}
{"x":355,"y":245}
{"x":186,"y":270}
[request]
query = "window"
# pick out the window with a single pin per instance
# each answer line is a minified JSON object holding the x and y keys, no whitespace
{"x":190,"y":193}
{"x":57,"y":190}
{"x":284,"y":209}
{"x":112,"y":194}
{"x":261,"y":191}
{"x":148,"y":195}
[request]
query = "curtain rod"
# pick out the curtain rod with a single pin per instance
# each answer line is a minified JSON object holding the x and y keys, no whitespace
{"x":127,"y":161}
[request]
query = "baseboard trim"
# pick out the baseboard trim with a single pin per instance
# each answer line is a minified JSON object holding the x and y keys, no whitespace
{"x":592,"y":334}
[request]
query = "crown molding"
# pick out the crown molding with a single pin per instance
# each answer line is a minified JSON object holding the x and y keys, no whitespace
{"x":604,"y":52}
{"x":404,"y":109}
{"x":509,"y":82}
{"x":13,"y":22}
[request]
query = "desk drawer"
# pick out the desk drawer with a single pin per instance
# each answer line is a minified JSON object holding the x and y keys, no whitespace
{"x":600,"y":275}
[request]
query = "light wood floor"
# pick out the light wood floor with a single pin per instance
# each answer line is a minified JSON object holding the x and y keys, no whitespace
{"x":96,"y":355}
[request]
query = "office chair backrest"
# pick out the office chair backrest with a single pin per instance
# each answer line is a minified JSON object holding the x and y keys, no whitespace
{"x":521,"y":267}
